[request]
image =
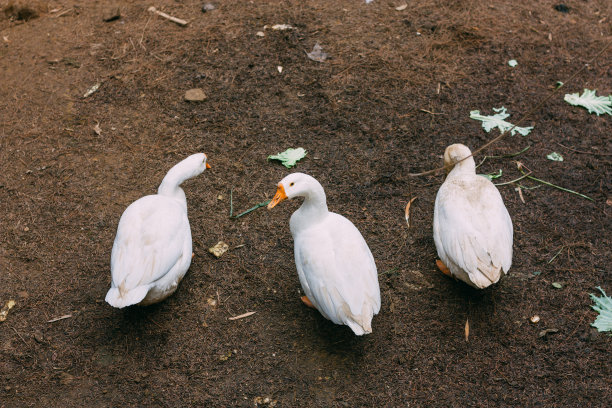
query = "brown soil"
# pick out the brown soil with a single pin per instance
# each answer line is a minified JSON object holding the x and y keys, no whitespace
{"x":362,"y":116}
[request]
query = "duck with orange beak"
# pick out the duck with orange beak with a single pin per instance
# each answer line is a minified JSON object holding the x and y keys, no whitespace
{"x":334,"y":264}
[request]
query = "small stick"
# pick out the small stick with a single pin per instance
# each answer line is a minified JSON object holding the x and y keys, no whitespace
{"x":582,"y":152}
{"x":556,"y":255}
{"x":59,"y":318}
{"x":431,"y":113}
{"x":231,"y":202}
{"x":168,"y":17}
{"x":247,"y":314}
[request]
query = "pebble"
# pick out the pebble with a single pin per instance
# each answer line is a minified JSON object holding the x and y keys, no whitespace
{"x":111,"y":13}
{"x":195,"y":95}
{"x":208,"y":7}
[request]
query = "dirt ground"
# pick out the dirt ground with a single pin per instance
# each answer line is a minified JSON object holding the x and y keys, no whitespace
{"x":396,"y":89}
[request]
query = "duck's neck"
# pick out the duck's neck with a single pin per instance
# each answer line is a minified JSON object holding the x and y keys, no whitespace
{"x":170,"y":185}
{"x":313,"y":209}
{"x":467,"y":166}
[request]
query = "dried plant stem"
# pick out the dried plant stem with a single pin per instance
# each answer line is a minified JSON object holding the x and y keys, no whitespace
{"x":556,"y":186}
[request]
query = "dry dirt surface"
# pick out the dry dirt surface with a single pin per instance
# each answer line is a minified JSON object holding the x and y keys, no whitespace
{"x":395,"y":90}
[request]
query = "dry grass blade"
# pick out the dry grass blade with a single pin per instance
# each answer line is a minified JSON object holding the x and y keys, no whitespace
{"x":59,"y":318}
{"x":407,"y":212}
{"x":242,"y":316}
{"x":467,"y":329}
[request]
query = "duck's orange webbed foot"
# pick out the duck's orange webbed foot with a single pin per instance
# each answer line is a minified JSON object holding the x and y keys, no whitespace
{"x":444,"y":268}
{"x":307,"y":302}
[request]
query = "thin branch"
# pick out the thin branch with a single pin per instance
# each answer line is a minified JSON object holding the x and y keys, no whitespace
{"x":525,"y":116}
{"x":582,"y":152}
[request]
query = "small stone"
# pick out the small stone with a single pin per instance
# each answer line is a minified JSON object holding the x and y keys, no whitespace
{"x":557,"y":285}
{"x":562,"y":8}
{"x":111,"y":13}
{"x":38,"y":336}
{"x":208,"y":7}
{"x":219,"y":249}
{"x":260,"y":34}
{"x":26,"y":229}
{"x":535,"y":319}
{"x":195,"y":95}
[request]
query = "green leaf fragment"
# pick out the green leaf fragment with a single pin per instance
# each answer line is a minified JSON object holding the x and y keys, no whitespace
{"x":594,"y":104}
{"x":492,"y":176}
{"x":603,"y":305}
{"x":554,"y":156}
{"x":497,"y":121}
{"x":289,"y":157}
{"x":512,"y":63}
{"x":557,"y":285}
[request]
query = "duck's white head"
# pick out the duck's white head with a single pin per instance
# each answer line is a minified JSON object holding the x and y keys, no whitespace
{"x":190,"y":167}
{"x":296,"y":185}
{"x":194,"y":165}
{"x":455,"y":153}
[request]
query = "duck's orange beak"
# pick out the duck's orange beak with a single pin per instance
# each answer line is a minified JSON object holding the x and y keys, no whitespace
{"x":278,"y":197}
{"x":207,"y":165}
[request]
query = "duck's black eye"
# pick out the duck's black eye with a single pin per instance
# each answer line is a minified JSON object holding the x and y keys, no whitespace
{"x":291,"y":185}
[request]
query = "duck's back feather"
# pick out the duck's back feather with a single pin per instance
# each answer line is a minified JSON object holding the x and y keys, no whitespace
{"x":473,"y":230}
{"x":153,"y":239}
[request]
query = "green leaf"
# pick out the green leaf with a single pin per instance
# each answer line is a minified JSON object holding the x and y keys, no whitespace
{"x":497,"y":121}
{"x":289,"y":157}
{"x":594,"y":104}
{"x":554,"y":156}
{"x":603,"y":305}
{"x":492,"y":176}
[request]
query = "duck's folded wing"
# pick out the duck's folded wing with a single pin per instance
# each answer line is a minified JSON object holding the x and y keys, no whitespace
{"x":476,"y":237}
{"x":337,"y":268}
{"x":149,"y":242}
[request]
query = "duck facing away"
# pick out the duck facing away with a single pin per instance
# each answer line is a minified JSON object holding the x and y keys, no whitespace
{"x":152,"y":248}
{"x":334,"y":264}
{"x":472,"y":228}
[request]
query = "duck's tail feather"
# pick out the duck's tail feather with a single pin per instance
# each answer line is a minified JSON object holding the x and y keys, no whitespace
{"x":117,"y":299}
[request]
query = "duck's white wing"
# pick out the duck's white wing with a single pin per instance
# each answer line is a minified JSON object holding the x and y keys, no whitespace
{"x":473,"y":231}
{"x":338,"y":272}
{"x":150,"y":241}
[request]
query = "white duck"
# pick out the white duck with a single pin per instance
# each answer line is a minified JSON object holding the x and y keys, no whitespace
{"x":333,"y":261}
{"x":472,"y":228}
{"x":152,"y":249}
